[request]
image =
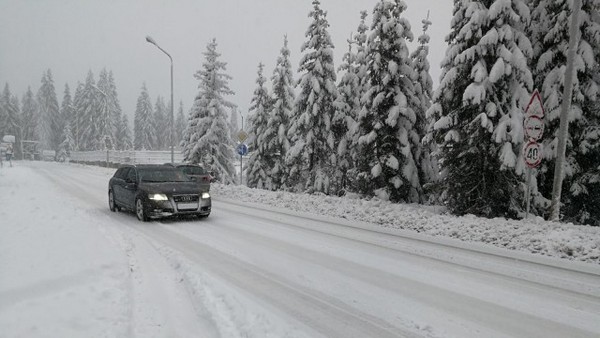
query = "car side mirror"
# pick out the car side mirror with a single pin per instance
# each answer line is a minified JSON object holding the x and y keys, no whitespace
{"x":129,"y":180}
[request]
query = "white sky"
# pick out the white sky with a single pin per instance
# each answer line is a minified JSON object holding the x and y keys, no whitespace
{"x":72,"y":36}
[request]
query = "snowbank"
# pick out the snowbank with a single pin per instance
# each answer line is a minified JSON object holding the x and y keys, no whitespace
{"x":567,"y":241}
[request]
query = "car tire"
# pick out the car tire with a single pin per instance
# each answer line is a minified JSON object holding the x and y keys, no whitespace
{"x":111,"y":201}
{"x":140,"y":210}
{"x":203,"y":216}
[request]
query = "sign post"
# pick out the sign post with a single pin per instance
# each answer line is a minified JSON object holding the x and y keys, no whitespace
{"x":533,"y":126}
{"x":242,"y":150}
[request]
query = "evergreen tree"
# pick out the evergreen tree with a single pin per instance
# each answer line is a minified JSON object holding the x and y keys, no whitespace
{"x":179,"y":126}
{"x":161,"y":125}
{"x":387,"y":168}
{"x":88,"y":106}
{"x":10,"y":119}
{"x":67,"y":110}
{"x":124,"y":139}
{"x":67,"y":145}
{"x":275,"y":137}
{"x":425,"y":156}
{"x":29,"y":115}
{"x":549,"y":29}
{"x":480,"y":102}
{"x":143,"y":129}
{"x":104,"y":118}
{"x":115,"y":111}
{"x":207,"y":139}
{"x":77,"y":121}
{"x":260,"y":163}
{"x":50,"y":121}
{"x":312,"y":155}
{"x":351,"y":89}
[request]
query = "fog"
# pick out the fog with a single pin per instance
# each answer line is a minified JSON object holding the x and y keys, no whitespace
{"x":71,"y":37}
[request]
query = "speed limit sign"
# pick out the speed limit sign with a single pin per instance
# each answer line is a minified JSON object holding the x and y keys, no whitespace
{"x":532,"y":153}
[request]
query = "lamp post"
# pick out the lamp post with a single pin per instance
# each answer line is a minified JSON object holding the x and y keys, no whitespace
{"x":171,"y":131}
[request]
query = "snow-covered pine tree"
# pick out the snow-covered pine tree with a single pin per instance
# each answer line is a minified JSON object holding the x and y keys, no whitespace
{"x":116,"y":110}
{"x":143,"y":129}
{"x":105,"y":123}
{"x":161,"y":125}
{"x":88,"y":106}
{"x":11,"y":117}
{"x":207,"y":138}
{"x":261,"y":156}
{"x":347,"y":107}
{"x":386,"y":166}
{"x":29,"y":114}
{"x":67,"y":145}
{"x":311,"y":157}
{"x":480,"y":102}
{"x":275,"y":136}
{"x":549,"y":29}
{"x":179,"y":126}
{"x":50,"y":122}
{"x":124,"y":139}
{"x":76,"y":124}
{"x":67,"y":109}
{"x":425,"y":155}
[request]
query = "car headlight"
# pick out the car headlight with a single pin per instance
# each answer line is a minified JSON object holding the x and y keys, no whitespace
{"x":205,"y":195}
{"x":158,"y":197}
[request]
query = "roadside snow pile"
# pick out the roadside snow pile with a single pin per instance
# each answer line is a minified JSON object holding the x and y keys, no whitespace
{"x":581,"y":243}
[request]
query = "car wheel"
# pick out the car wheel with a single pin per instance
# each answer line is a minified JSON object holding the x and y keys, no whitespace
{"x":203,"y":216}
{"x":140,"y":211}
{"x":111,"y":201}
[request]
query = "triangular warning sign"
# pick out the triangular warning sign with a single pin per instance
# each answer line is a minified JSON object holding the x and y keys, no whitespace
{"x":535,"y":106}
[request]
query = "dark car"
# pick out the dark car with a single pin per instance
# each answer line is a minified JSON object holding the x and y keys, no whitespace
{"x":195,"y":172}
{"x":154,"y":191}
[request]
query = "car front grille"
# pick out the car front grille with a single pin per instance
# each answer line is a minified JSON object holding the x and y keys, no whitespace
{"x":186,"y":198}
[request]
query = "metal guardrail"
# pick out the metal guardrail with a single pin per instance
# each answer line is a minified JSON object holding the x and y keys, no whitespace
{"x":116,"y":157}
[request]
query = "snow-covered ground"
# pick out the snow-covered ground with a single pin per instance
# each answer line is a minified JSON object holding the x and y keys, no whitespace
{"x":535,"y":235}
{"x":270,"y":264}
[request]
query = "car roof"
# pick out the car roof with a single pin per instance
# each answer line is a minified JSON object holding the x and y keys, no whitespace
{"x":182,"y":164}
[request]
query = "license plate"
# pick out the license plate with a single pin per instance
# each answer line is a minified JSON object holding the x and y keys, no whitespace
{"x":187,"y":206}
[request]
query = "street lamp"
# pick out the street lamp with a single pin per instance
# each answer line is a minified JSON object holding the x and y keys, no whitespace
{"x":171,"y":132}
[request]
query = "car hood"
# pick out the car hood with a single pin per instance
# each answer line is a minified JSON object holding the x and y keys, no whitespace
{"x":171,"y":187}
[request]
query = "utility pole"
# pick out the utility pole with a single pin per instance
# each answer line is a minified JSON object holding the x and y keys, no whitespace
{"x":564,"y":114}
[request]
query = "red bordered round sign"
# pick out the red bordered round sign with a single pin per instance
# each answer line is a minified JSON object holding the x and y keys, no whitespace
{"x":532,"y":153}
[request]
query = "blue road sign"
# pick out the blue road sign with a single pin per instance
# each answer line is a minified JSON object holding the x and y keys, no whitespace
{"x":242,"y":149}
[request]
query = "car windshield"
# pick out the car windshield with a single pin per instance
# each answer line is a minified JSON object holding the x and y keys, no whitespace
{"x":193,"y":170}
{"x":162,"y":175}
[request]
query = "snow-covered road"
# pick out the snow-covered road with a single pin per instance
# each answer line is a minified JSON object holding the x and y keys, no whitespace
{"x":70,"y":267}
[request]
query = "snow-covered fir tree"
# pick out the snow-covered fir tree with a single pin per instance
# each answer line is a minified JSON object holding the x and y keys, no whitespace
{"x":425,"y":156}
{"x":207,"y":138}
{"x":180,"y":122}
{"x":549,"y":29}
{"x":143,"y":128}
{"x":67,"y":110}
{"x":275,"y":137}
{"x":261,"y":158}
{"x":67,"y":145}
{"x":87,"y":106}
{"x":161,"y":125}
{"x":29,"y":116}
{"x":386,"y":165}
{"x":10,"y":117}
{"x":50,"y":119}
{"x":115,"y":108}
{"x":311,"y":157}
{"x":485,"y":87}
{"x":351,"y":89}
{"x":123,"y":136}
{"x":105,"y":122}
